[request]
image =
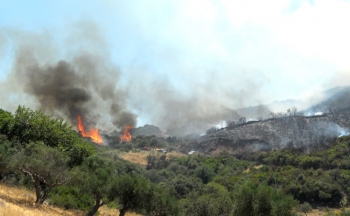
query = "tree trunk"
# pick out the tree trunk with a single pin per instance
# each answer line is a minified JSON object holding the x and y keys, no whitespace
{"x":37,"y":191}
{"x":45,"y":195}
{"x":122,"y":212}
{"x":95,"y":208}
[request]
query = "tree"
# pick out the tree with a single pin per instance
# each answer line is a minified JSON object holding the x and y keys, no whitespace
{"x":95,"y":177}
{"x":205,"y":173}
{"x":211,"y":130}
{"x":244,"y":200}
{"x":132,"y":192}
{"x":292,"y":111}
{"x":262,"y":200}
{"x":33,"y":126}
{"x":230,"y":124}
{"x":5,"y":120}
{"x":242,"y":120}
{"x":46,"y":166}
{"x":305,"y":208}
{"x":214,"y":199}
{"x":162,"y":202}
{"x":154,"y":142}
{"x":6,"y":152}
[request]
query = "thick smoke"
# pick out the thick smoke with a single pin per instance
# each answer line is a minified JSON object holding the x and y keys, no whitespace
{"x":85,"y":85}
{"x":198,"y":107}
{"x":77,"y":77}
{"x":71,"y":88}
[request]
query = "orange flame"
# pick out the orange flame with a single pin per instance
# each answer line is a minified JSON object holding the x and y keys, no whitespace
{"x":92,"y":134}
{"x":126,"y":134}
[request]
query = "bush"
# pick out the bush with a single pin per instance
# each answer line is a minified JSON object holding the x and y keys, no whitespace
{"x":305,"y":208}
{"x":70,"y":197}
{"x":251,"y":200}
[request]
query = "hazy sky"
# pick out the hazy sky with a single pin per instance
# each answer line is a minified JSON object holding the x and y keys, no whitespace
{"x":263,"y":50}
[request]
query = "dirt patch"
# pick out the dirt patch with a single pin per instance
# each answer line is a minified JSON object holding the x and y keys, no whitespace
{"x":254,"y":167}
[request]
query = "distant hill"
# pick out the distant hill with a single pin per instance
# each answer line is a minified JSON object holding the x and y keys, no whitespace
{"x":335,"y":98}
{"x":148,"y":130}
{"x":297,"y":131}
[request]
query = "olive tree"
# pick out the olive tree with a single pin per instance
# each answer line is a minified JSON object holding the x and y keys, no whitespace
{"x":46,"y":166}
{"x":27,"y":126}
{"x":213,"y":199}
{"x":162,"y":202}
{"x":95,"y":177}
{"x":132,"y":192}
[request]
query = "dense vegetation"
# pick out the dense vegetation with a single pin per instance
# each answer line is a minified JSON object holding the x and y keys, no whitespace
{"x":44,"y":153}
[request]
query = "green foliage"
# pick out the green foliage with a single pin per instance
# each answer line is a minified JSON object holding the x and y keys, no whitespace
{"x":6,"y":119}
{"x":184,"y":185}
{"x":304,"y":208}
{"x":132,"y":192}
{"x":162,"y":202}
{"x":46,"y":166}
{"x":27,"y":126}
{"x":205,"y":173}
{"x":6,"y":151}
{"x":214,"y":199}
{"x":42,"y":160}
{"x":70,"y":197}
{"x":94,"y":178}
{"x":154,"y":162}
{"x":306,"y":161}
{"x":251,"y":200}
{"x":47,"y":149}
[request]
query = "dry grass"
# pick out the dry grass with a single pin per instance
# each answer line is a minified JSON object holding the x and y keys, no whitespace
{"x":104,"y":211}
{"x":176,"y":154}
{"x":16,"y":201}
{"x":136,"y":157}
{"x":254,"y":167}
{"x":317,"y":212}
{"x":141,"y":156}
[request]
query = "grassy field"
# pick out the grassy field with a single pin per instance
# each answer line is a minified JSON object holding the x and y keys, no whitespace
{"x":18,"y":201}
{"x":141,"y":156}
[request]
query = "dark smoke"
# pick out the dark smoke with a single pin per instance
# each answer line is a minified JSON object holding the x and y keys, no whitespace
{"x":84,"y":85}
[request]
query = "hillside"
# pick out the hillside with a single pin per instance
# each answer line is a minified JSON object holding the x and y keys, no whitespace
{"x":15,"y":201}
{"x":274,"y":133}
{"x":71,"y":172}
{"x":146,"y":130}
{"x":336,"y":98}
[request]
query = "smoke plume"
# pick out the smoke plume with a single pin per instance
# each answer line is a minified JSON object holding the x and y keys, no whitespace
{"x":72,"y":88}
{"x":198,"y":108}
{"x":86,"y":84}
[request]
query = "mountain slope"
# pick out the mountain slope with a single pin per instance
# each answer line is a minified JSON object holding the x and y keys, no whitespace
{"x":297,"y":131}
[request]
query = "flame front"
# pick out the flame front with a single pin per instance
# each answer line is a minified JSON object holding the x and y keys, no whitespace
{"x":92,"y":133}
{"x":126,"y":134}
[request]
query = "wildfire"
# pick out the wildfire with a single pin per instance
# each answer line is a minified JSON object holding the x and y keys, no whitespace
{"x":126,"y":134}
{"x":92,"y":133}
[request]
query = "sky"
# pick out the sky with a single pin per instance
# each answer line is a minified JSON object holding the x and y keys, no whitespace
{"x":224,"y":53}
